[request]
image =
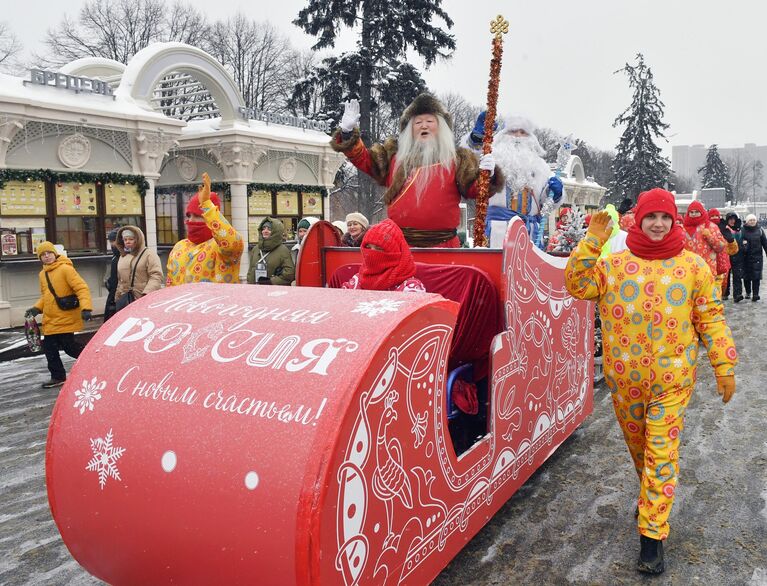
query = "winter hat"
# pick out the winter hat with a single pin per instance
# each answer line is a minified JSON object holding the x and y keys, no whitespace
{"x":424,"y":104}
{"x":749,"y":218}
{"x":193,"y":207}
{"x":392,"y":264}
{"x":128,"y":234}
{"x":340,"y":225}
{"x":306,"y":223}
{"x":46,"y":246}
{"x":358,"y":217}
{"x":714,"y":215}
{"x":625,"y":205}
{"x":520,"y":123}
{"x":655,"y":200}
{"x":265,"y":224}
{"x":690,"y":223}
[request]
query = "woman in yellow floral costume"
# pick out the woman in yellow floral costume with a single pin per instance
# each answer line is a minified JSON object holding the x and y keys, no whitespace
{"x":212,"y":249}
{"x":657,"y":302}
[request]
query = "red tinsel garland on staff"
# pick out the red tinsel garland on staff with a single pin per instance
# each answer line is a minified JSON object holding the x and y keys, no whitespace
{"x":499,"y":27}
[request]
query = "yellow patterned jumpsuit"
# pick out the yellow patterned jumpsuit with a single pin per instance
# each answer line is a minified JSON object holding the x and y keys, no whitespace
{"x":654,"y":315}
{"x":217,"y":260}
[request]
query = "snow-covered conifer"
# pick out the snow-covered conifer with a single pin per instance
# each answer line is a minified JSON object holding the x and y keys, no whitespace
{"x":638,"y":164}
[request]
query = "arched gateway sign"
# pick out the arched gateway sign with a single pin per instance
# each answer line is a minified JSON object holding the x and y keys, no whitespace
{"x":151,"y":64}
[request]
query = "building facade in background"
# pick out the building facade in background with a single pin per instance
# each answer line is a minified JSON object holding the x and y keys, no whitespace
{"x":686,"y":160}
{"x":100,"y":144}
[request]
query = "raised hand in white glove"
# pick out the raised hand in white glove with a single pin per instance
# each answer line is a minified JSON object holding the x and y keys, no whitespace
{"x":351,"y":117}
{"x":487,"y":163}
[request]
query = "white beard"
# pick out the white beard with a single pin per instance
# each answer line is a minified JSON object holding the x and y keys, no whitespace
{"x":423,"y":153}
{"x":521,"y":162}
{"x":429,"y":156}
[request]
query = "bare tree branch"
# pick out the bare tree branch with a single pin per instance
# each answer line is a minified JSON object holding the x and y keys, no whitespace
{"x":118,"y":29}
{"x":259,"y":58}
{"x":464,"y":113}
{"x":10,"y":47}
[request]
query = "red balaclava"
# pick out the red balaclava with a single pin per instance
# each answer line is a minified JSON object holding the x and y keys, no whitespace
{"x":198,"y":232}
{"x":384,"y":269}
{"x":639,"y":243}
{"x":714,"y":215}
{"x":691,"y":224}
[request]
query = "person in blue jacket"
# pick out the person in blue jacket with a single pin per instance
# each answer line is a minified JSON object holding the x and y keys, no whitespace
{"x":529,"y":179}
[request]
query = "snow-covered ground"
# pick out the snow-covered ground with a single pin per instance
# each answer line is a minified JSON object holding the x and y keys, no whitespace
{"x":571,"y":523}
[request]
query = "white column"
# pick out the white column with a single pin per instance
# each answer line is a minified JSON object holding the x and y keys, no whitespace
{"x":150,"y":215}
{"x":240,"y":220}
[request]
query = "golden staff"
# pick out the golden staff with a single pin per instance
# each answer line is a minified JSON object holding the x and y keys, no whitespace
{"x":498,"y":27}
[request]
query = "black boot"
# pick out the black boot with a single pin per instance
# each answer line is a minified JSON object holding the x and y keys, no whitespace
{"x":738,"y":298}
{"x":650,"y":555}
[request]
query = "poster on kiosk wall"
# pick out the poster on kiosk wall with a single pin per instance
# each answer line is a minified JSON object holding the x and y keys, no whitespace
{"x":76,"y":199}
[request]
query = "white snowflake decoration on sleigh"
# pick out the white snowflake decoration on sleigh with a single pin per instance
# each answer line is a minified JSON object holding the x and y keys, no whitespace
{"x":104,"y":460}
{"x":374,"y":308}
{"x":88,"y":394}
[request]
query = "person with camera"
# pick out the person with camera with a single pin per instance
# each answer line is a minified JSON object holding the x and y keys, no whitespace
{"x":65,"y":301}
{"x":270,"y":261}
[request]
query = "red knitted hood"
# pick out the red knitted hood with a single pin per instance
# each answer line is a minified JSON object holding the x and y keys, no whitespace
{"x":386,"y":268}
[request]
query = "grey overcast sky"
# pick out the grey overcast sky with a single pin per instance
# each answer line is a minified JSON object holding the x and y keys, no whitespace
{"x":709,"y":59}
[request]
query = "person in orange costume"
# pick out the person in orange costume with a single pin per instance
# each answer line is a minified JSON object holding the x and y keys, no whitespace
{"x":423,"y":171}
{"x":723,"y":264}
{"x":212,"y":249}
{"x":703,"y":237}
{"x":657,"y":302}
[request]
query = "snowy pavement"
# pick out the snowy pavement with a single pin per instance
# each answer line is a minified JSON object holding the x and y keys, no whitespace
{"x":571,"y":523}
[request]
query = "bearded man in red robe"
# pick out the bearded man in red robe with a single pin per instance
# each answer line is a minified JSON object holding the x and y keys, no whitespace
{"x":424,"y":173}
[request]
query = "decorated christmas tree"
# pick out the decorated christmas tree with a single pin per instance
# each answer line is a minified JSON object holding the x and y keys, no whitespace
{"x":571,"y":228}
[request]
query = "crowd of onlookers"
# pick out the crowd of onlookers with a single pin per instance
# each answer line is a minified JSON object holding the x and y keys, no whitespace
{"x":732,"y":250}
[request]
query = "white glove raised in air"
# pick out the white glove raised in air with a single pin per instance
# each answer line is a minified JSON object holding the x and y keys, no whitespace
{"x":487,"y":163}
{"x":351,"y":117}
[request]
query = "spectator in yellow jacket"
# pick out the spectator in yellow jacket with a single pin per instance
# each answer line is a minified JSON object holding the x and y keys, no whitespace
{"x":657,"y":302}
{"x":60,"y":279}
{"x":212,"y":249}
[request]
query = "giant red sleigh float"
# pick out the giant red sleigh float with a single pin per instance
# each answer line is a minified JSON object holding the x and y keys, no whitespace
{"x":294,"y":435}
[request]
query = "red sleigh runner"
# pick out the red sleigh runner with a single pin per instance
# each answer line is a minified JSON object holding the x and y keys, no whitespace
{"x":275,"y":435}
